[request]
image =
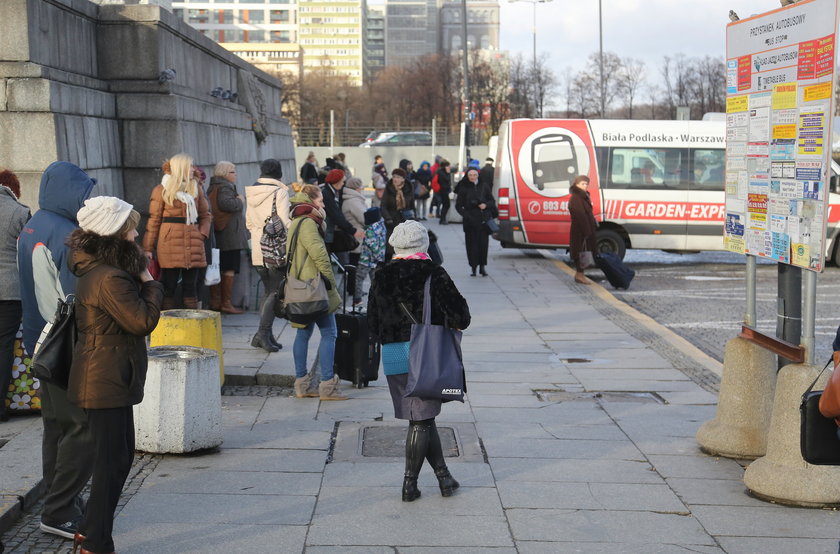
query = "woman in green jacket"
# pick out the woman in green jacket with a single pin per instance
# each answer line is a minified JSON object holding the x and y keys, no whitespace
{"x":310,"y":257}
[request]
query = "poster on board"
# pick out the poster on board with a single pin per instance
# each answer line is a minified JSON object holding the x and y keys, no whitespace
{"x":779,"y":106}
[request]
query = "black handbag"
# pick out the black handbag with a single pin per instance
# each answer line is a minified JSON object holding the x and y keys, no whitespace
{"x":818,"y":441}
{"x":52,"y":360}
{"x":343,"y":241}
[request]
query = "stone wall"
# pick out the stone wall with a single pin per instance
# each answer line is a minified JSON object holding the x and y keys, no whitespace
{"x":80,"y":82}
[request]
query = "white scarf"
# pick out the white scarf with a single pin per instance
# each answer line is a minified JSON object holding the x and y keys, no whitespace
{"x":189,"y":201}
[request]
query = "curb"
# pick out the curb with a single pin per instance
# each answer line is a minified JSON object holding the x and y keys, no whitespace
{"x":678,"y":342}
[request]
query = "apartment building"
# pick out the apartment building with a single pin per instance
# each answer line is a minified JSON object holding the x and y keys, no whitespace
{"x":330,"y":33}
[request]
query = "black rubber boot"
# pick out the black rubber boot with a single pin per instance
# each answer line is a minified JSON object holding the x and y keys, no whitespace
{"x":416,"y":449}
{"x":447,"y":483}
{"x":265,"y":336}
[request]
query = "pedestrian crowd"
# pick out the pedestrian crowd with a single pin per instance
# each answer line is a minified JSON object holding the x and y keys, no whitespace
{"x":84,"y":247}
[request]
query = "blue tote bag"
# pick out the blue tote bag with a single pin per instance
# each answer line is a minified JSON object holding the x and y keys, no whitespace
{"x":435,"y":363}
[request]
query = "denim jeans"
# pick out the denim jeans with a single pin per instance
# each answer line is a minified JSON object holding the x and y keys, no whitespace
{"x":326,"y":350}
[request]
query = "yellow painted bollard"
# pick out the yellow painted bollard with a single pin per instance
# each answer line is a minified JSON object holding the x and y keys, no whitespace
{"x":199,"y":328}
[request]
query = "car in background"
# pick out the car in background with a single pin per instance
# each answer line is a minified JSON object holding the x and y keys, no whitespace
{"x":371,"y":137}
{"x":401,"y":138}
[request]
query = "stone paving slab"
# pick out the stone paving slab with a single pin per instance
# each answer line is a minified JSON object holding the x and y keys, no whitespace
{"x":535,"y":547}
{"x":562,"y":448}
{"x":591,"y":496}
{"x":546,"y":470}
{"x":696,"y":466}
{"x":627,"y":527}
{"x":212,"y":509}
{"x":767,"y":521}
{"x":250,"y":459}
{"x":244,"y":482}
{"x":768,"y":545}
{"x":139,"y":537}
{"x":428,"y":521}
{"x":716,"y":492}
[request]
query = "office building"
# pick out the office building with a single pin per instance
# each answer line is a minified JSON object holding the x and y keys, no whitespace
{"x":374,"y":41}
{"x":411,"y":30}
{"x":244,"y":21}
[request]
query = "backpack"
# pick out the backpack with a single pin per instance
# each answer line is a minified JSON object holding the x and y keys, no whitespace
{"x":273,"y":239}
{"x":435,"y":183}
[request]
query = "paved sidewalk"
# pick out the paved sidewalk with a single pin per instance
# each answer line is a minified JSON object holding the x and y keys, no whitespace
{"x":552,"y":453}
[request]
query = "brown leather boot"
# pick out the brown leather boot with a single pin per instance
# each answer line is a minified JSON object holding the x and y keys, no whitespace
{"x":190,"y":302}
{"x":227,"y":293}
{"x":215,"y":297}
{"x":168,"y":303}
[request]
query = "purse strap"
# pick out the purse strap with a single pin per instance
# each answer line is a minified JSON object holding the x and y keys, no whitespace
{"x":828,"y":363}
{"x":427,"y":301}
{"x":274,"y":204}
{"x":290,"y":250}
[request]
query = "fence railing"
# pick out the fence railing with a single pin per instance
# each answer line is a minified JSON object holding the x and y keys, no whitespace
{"x":354,"y":136}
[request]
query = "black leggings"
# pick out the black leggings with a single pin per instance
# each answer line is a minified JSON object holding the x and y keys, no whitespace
{"x":189,"y":278}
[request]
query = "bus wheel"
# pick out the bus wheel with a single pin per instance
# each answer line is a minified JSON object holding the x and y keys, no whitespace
{"x":610,"y":241}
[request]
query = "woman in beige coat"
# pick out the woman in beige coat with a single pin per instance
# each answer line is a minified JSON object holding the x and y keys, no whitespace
{"x":267,"y":191}
{"x":179,"y":223}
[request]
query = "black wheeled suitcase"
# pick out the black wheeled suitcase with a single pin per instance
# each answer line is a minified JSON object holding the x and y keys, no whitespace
{"x":356,"y":354}
{"x":618,"y":274}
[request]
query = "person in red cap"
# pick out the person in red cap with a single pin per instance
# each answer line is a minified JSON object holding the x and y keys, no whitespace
{"x":331,"y":190}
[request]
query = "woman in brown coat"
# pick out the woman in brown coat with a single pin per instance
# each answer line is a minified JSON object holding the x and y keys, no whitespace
{"x":179,"y":223}
{"x":117,"y":305}
{"x":584,"y":226}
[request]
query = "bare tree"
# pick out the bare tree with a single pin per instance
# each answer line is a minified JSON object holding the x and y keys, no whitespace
{"x":631,"y":78}
{"x":544,"y":83}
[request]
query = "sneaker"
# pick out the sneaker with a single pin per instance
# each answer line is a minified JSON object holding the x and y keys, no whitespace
{"x":68,"y":529}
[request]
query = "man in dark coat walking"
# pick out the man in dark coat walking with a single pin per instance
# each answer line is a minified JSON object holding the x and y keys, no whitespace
{"x":485,"y":176}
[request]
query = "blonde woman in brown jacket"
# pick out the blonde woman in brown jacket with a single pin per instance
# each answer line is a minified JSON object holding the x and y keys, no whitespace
{"x":179,"y":223}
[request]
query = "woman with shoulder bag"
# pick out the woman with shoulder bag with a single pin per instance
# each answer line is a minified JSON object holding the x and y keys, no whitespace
{"x":117,"y":305}
{"x":179,"y":223}
{"x":399,"y":283}
{"x":229,"y":228}
{"x":269,"y":195}
{"x":584,"y":226}
{"x":309,"y":259}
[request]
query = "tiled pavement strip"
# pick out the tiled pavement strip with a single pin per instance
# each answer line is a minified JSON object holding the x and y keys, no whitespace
{"x":558,"y":471}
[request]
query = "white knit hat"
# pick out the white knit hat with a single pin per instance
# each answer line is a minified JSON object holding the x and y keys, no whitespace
{"x":104,"y":215}
{"x":408,"y":238}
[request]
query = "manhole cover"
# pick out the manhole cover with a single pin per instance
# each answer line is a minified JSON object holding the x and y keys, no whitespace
{"x":389,"y":442}
{"x":559,"y":395}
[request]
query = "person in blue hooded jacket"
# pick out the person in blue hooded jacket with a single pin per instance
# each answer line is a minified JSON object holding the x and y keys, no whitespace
{"x":45,"y":278}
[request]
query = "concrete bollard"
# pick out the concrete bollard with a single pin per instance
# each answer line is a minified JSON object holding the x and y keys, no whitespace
{"x":782,"y":475}
{"x":742,"y":420}
{"x":182,"y":408}
{"x":199,"y":328}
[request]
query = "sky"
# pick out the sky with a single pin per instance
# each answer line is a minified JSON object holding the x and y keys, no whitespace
{"x":645,"y":29}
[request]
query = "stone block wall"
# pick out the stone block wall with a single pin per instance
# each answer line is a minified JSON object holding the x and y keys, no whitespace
{"x":79,"y":82}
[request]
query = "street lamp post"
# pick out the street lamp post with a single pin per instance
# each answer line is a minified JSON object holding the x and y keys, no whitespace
{"x":534,"y":32}
{"x":601,"y":59}
{"x":467,"y":102}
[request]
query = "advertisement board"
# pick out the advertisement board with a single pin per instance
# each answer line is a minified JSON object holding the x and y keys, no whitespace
{"x":779,"y":107}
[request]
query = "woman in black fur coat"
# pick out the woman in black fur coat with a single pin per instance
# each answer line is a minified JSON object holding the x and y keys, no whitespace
{"x":401,"y":281}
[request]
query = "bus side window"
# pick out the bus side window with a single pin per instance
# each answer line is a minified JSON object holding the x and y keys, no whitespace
{"x":708,"y":169}
{"x":617,"y":170}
